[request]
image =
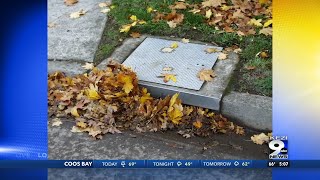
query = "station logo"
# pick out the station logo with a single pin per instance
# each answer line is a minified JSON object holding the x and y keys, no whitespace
{"x":278,"y":146}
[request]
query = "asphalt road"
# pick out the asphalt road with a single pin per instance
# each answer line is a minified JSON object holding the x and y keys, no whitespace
{"x":63,"y":144}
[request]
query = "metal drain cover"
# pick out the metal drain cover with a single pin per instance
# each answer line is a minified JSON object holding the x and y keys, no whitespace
{"x":187,"y":60}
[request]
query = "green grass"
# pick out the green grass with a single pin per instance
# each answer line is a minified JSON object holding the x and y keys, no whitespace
{"x":194,"y":27}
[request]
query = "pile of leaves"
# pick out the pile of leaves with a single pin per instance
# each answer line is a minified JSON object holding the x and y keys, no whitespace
{"x":110,"y":100}
{"x":242,"y":17}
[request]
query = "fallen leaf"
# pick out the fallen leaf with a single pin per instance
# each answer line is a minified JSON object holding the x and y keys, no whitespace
{"x":70,"y":2}
{"x":172,"y":24}
{"x":195,"y":11}
{"x":187,"y":136}
{"x":88,"y":66}
{"x":211,"y":3}
{"x":208,"y":14}
{"x":266,"y":31}
{"x":262,"y":54}
{"x":167,"y":69}
{"x":180,"y":5}
{"x":255,"y":22}
{"x":105,"y":10}
{"x":174,"y":45}
{"x":74,"y":111}
{"x":167,"y":77}
{"x":133,"y":18}
{"x":82,"y":124}
{"x":250,"y":67}
{"x":56,"y":122}
{"x":142,"y":22}
{"x":149,"y":9}
{"x":167,"y":50}
{"x":51,"y":25}
{"x":127,"y":80}
{"x":225,"y":8}
{"x":135,"y":34}
{"x":222,"y":56}
{"x":238,"y":50}
{"x":212,"y":50}
{"x":104,"y":4}
{"x":263,"y":1}
{"x":185,"y":41}
{"x":125,"y":28}
{"x":260,"y":138}
{"x":206,"y":75}
{"x":197,"y":124}
{"x":268,"y":23}
{"x":76,"y":129}
{"x":77,"y":14}
{"x":92,"y":93}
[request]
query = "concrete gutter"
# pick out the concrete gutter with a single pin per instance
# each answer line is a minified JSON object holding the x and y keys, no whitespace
{"x":250,"y":110}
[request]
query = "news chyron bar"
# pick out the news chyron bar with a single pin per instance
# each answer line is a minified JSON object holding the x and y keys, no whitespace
{"x":278,"y":146}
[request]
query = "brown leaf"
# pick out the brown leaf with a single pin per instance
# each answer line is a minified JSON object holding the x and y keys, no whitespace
{"x":211,"y":3}
{"x":70,"y":2}
{"x":135,"y":35}
{"x":250,"y":67}
{"x":260,"y":138}
{"x":222,"y":56}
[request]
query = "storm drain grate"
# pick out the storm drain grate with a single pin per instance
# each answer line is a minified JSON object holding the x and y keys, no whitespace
{"x":186,"y":61}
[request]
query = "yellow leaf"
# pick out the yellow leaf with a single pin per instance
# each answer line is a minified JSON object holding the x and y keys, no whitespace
{"x":225,"y":8}
{"x":260,"y":138}
{"x":255,"y":22}
{"x":92,"y":93}
{"x":197,"y":124}
{"x":82,"y":124}
{"x":134,"y":23}
{"x":142,"y":22}
{"x":149,"y":9}
{"x":175,"y":115}
{"x":145,"y":96}
{"x":133,"y":18}
{"x":263,"y":1}
{"x":74,"y":111}
{"x":266,"y":24}
{"x":125,"y":28}
{"x":208,"y":14}
{"x":127,"y":80}
{"x":173,"y":99}
{"x":189,"y":110}
{"x":112,"y":7}
{"x":174,"y":45}
{"x":168,"y":77}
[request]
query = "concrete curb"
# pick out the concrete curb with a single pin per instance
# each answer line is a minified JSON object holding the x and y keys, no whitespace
{"x":253,"y":111}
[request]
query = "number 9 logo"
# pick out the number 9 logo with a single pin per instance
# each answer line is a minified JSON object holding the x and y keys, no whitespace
{"x":276,"y":149}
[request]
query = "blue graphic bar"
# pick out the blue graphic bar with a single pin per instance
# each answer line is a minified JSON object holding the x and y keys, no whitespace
{"x":177,"y":164}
